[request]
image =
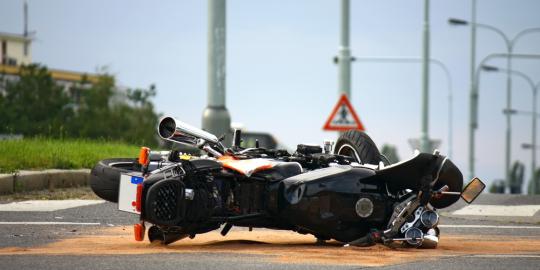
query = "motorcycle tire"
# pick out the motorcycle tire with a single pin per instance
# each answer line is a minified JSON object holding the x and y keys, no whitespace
{"x":359,"y":145}
{"x":105,"y":176}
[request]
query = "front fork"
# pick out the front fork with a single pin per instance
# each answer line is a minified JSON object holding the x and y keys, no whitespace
{"x":412,"y":224}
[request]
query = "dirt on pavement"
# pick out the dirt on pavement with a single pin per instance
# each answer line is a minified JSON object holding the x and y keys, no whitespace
{"x":281,"y":246}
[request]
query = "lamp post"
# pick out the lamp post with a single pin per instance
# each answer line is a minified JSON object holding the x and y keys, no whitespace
{"x":534,"y":88}
{"x":425,"y":142}
{"x":473,"y":116}
{"x":216,"y":118}
{"x":398,"y":59}
{"x":510,"y":44}
{"x":344,"y":53}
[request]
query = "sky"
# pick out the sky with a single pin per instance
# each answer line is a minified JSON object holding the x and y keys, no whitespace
{"x":280,"y":74}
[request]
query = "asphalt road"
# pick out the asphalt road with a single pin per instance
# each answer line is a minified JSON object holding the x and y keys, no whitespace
{"x":101,"y":217}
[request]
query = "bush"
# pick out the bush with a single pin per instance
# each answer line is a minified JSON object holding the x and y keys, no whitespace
{"x":35,"y":105}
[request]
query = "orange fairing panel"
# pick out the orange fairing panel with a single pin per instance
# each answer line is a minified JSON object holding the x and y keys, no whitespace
{"x":247,"y":166}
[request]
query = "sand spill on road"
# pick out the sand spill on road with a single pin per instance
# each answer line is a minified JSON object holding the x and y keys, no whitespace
{"x":280,"y":246}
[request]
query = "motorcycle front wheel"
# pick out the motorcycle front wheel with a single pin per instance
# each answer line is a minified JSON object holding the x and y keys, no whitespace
{"x":360,"y":146}
{"x":105,"y":176}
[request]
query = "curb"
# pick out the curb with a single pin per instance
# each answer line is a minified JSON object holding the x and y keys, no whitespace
{"x":39,"y":180}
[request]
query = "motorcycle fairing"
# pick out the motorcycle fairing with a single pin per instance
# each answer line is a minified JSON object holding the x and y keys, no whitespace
{"x":409,"y":174}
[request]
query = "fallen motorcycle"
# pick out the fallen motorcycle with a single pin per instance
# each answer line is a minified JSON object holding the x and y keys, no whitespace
{"x":351,"y":193}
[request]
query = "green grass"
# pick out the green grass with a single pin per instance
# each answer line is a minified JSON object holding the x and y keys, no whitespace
{"x":43,"y":153}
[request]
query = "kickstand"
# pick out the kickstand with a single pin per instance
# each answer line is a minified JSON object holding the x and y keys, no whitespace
{"x":226,"y":229}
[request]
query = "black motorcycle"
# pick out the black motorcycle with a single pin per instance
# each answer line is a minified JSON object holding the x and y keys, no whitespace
{"x":351,"y":194}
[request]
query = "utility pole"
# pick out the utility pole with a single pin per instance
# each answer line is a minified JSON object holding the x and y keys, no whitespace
{"x":216,"y":118}
{"x":25,"y":15}
{"x":473,"y":124}
{"x":25,"y":30}
{"x":425,"y":142}
{"x":344,"y":53}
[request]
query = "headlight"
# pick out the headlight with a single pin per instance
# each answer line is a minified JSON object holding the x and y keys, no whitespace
{"x":414,"y":237}
{"x":429,"y":219}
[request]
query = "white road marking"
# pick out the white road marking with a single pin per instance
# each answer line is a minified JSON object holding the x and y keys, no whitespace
{"x":46,"y":206}
{"x":47,"y":223}
{"x":506,"y":256}
{"x":489,"y":227}
{"x":498,"y":210}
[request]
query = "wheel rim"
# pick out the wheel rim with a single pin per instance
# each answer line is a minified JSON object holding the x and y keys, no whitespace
{"x":126,"y":165}
{"x":348,"y":150}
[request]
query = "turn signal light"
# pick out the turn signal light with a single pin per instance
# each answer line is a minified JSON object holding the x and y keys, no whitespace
{"x":139,"y":231}
{"x":143,"y":155}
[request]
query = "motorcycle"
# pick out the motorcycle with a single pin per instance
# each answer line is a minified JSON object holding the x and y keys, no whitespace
{"x":348,"y":191}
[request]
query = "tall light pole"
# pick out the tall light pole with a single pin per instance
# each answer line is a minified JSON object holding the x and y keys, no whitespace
{"x":433,"y":61}
{"x":216,"y":117}
{"x":425,"y":142}
{"x":510,"y":44}
{"x":534,"y":88}
{"x":473,"y":117}
{"x":473,"y":90}
{"x":344,"y":53}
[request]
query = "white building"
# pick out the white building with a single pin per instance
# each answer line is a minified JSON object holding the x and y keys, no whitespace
{"x":15,"y":49}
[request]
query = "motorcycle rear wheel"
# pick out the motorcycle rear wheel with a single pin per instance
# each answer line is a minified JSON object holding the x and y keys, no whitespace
{"x":105,"y":176}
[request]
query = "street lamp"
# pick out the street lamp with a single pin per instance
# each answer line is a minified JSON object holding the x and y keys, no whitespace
{"x":473,"y":110}
{"x":530,"y":146}
{"x":514,"y":111}
{"x":510,"y":44}
{"x":534,"y":88}
{"x":399,"y":59}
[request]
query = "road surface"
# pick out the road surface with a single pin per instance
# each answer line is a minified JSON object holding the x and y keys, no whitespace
{"x":497,"y":232}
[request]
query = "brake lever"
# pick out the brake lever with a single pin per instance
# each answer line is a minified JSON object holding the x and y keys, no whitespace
{"x":444,"y":191}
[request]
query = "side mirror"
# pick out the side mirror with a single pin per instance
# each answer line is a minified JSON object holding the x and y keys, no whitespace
{"x":472,"y":190}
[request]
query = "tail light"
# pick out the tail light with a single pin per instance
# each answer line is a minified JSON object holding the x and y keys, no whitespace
{"x":138,"y":198}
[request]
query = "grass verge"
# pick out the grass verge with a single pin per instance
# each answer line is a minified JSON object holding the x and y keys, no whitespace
{"x":43,"y":153}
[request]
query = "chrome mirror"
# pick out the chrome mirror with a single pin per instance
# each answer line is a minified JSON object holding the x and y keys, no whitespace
{"x":472,"y":190}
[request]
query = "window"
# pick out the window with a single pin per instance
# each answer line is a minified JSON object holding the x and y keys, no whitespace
{"x":3,"y":55}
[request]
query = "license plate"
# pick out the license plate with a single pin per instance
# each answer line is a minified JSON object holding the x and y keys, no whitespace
{"x":127,"y":196}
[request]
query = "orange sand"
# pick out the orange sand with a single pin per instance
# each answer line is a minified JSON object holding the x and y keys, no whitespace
{"x":281,"y":246}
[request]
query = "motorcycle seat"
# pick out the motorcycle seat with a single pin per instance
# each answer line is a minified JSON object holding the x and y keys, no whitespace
{"x":260,"y":167}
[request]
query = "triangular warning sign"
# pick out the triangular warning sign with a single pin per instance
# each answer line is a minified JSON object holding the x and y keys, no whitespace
{"x":343,"y":117}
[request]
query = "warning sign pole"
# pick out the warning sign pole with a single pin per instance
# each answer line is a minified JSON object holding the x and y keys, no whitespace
{"x":344,"y":53}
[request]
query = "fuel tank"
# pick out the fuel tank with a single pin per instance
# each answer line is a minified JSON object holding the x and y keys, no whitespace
{"x":341,"y":202}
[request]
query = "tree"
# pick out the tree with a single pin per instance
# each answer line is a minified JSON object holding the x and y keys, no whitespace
{"x":536,"y":179}
{"x":517,"y":174}
{"x":106,"y":112}
{"x":390,"y":152}
{"x":497,"y":186}
{"x":34,"y":104}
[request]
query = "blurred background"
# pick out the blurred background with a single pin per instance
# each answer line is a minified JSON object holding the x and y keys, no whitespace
{"x":107,"y":70}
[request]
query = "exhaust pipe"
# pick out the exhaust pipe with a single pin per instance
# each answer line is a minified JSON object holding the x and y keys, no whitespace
{"x":177,"y":131}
